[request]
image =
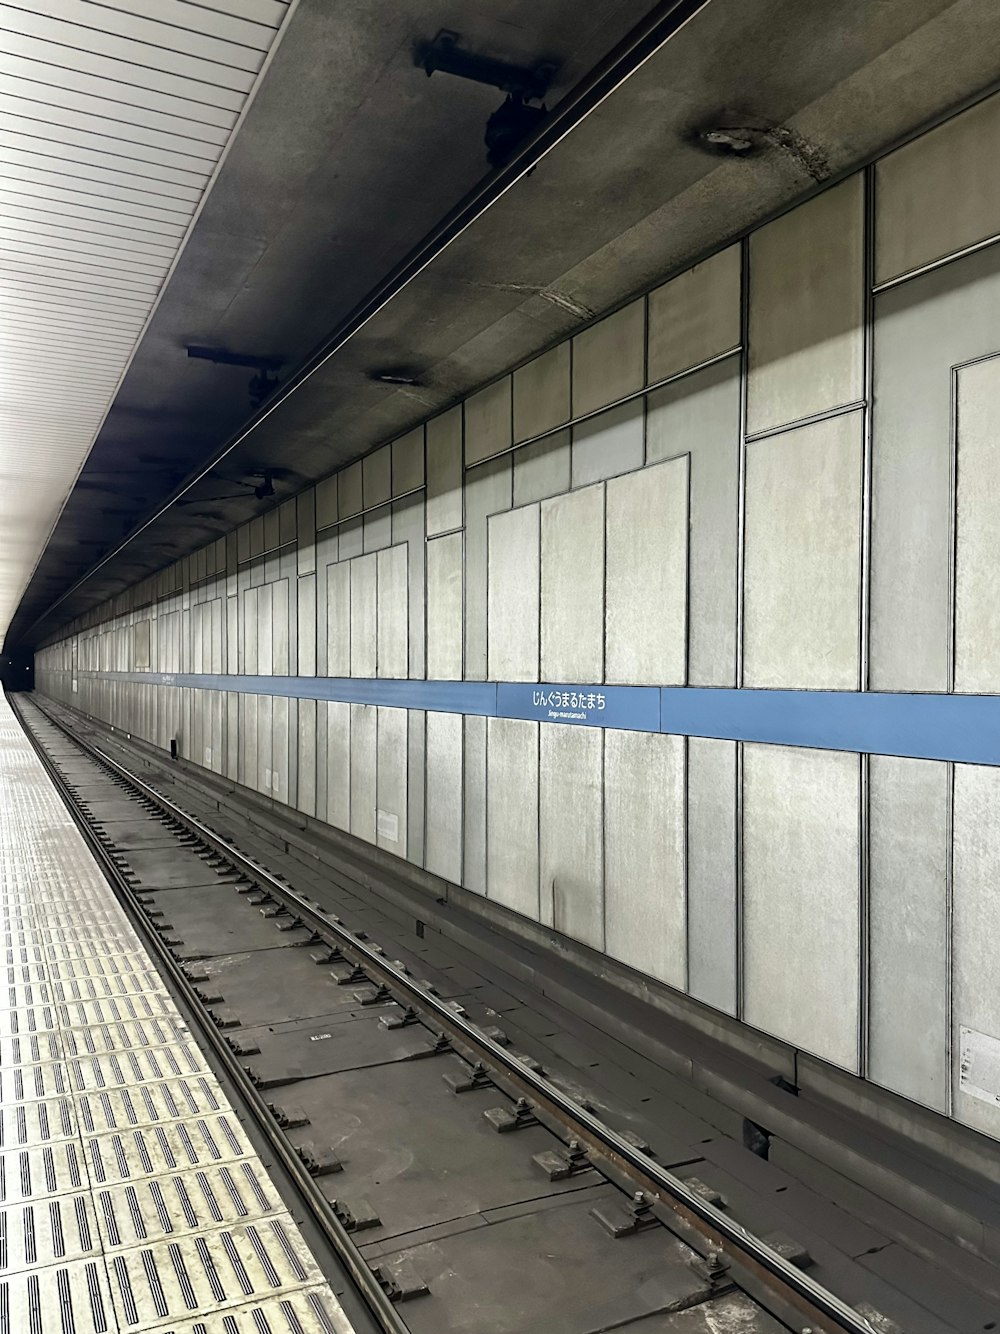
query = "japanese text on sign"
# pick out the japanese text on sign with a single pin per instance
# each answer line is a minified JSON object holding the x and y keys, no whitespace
{"x":574,"y":705}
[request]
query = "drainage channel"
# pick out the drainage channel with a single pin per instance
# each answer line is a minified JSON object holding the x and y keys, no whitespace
{"x":592,"y":1171}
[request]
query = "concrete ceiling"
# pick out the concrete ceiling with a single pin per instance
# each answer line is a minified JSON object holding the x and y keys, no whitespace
{"x":113,"y":119}
{"x":349,"y":155}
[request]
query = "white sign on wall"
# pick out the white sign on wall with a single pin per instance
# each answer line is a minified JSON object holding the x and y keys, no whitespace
{"x":979,"y":1065}
{"x":387,"y":825}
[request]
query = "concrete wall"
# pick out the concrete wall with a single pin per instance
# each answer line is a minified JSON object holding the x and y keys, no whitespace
{"x":778,"y":472}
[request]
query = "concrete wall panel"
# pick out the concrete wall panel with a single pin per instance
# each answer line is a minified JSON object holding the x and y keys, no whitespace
{"x":306,"y":638}
{"x":306,"y":754}
{"x":908,"y":933}
{"x":514,"y":591}
{"x":377,"y":529}
{"x":609,"y":359}
{"x":647,"y":576}
{"x":272,"y":530}
{"x":265,"y":629}
{"x":645,"y":887}
{"x":218,"y":732}
{"x":512,"y":814}
{"x":364,"y":615}
{"x":409,"y":527}
{"x":474,"y":785}
{"x":141,"y":646}
{"x":712,"y":930}
{"x":393,"y":613}
{"x":233,"y":734}
{"x":265,"y":745}
{"x":806,"y":309}
{"x":609,"y":444}
{"x":444,"y":472}
{"x":570,"y":824}
{"x":801,"y":850}
{"x":197,"y":663}
{"x":700,"y":416}
{"x":258,"y":543}
{"x":802,"y":595}
{"x":322,"y":758}
{"x":695,"y":316}
{"x":976,"y":929}
{"x":281,"y":756}
{"x":326,"y":556}
{"x":488,"y":427}
{"x":443,"y":852}
{"x":391,"y":807}
{"x":248,"y":634}
{"x":376,"y":488}
{"x":287,"y":524}
{"x":350,"y":492}
{"x":231,"y":557}
{"x":408,"y":462}
{"x":338,"y":635}
{"x":376,"y":477}
{"x":280,"y":657}
{"x":364,"y":757}
{"x":416,"y":794}
{"x":542,"y":469}
{"x":338,"y":764}
{"x":444,"y":607}
{"x":933,"y":197}
{"x":572,"y":632}
{"x":977,"y":607}
{"x":290,"y":577}
{"x":350,"y":538}
{"x":542,"y":393}
{"x":488,"y":491}
{"x":216,"y":661}
{"x":305,"y":526}
{"x":922,"y":330}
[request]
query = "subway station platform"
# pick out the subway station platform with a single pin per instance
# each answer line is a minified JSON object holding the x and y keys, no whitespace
{"x":130,"y":1196}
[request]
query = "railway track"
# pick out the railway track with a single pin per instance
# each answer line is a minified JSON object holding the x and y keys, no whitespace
{"x":534,"y":1214}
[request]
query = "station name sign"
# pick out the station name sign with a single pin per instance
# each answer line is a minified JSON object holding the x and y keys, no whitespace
{"x":635,"y":708}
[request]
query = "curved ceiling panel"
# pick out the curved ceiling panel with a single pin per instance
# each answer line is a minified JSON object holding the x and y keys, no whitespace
{"x":114,"y":117}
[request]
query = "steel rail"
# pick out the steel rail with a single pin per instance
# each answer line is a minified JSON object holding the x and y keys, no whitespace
{"x":718,"y":1231}
{"x":379,"y":1305}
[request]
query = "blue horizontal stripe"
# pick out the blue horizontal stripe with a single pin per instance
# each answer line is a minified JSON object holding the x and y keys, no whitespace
{"x":929,"y":726}
{"x":938,"y":727}
{"x":474,"y":697}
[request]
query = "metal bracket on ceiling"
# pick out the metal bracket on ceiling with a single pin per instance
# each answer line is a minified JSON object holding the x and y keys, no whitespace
{"x":262,"y":492}
{"x":514,"y":120}
{"x":261,"y":386}
{"x":445,"y":55}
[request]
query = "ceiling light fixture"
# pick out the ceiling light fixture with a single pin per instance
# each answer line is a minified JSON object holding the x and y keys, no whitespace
{"x":732,"y":142}
{"x":399,"y":377}
{"x":742,"y":141}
